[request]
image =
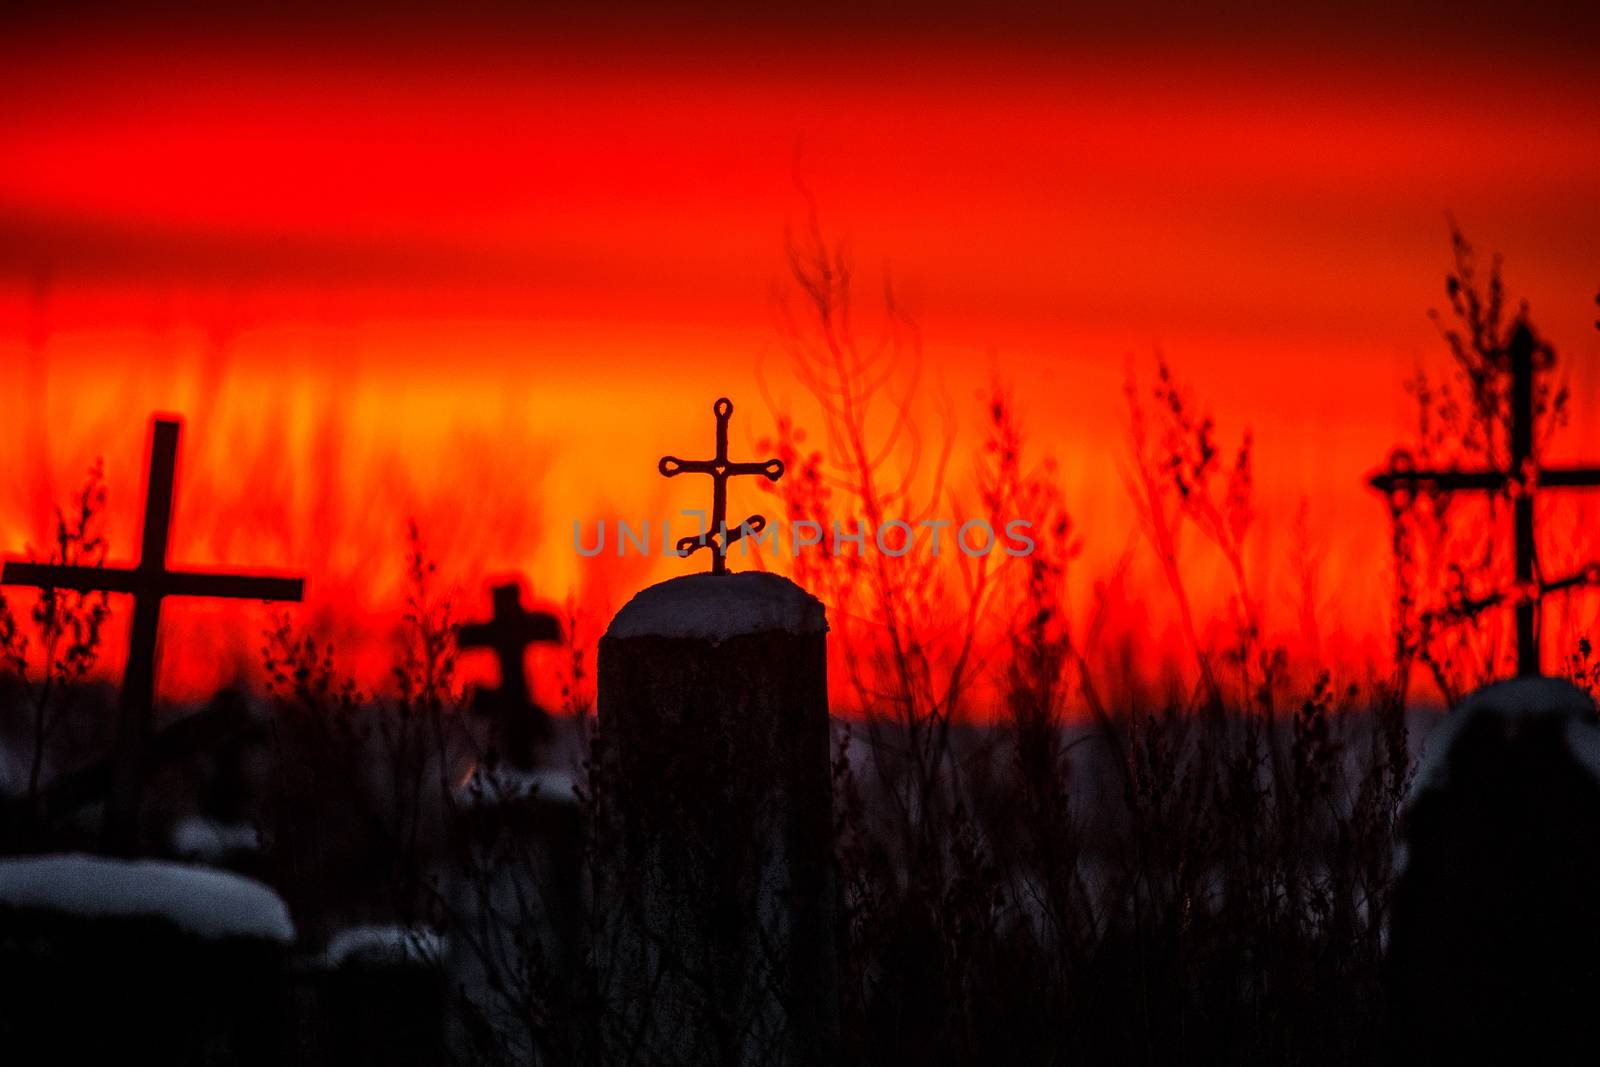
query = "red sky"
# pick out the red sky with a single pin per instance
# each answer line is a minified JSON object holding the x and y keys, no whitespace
{"x":499,"y":250}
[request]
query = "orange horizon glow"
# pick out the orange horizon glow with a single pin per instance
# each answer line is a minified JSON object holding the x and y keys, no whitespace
{"x":487,"y":289}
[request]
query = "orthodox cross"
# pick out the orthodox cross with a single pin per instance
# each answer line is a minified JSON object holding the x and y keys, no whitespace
{"x":717,"y":536}
{"x":148,"y":582}
{"x":508,"y":633}
{"x":1522,"y":479}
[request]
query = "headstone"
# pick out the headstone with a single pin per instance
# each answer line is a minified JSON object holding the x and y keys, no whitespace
{"x":110,"y":961}
{"x":518,"y":886}
{"x":1494,"y":947}
{"x":383,"y":997}
{"x":714,"y":884}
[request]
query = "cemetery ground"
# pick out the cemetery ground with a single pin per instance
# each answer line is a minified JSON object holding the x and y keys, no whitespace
{"x":1162,"y":886}
{"x":1027,"y":844}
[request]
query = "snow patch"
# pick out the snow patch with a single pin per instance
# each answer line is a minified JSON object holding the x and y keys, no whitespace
{"x":383,"y":944}
{"x":715,"y":607}
{"x":201,"y":901}
{"x":1521,"y":698}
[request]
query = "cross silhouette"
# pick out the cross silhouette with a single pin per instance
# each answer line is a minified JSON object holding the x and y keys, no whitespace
{"x":717,"y":536}
{"x":1522,"y":479}
{"x":508,"y":633}
{"x":148,"y":582}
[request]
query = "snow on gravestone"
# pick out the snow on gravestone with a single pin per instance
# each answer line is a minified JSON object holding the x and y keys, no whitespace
{"x":1494,"y":947}
{"x":99,"y":957}
{"x":715,"y":882}
{"x":383,"y":997}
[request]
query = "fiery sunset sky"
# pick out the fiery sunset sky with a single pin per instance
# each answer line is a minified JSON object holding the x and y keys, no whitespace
{"x":484,"y":272}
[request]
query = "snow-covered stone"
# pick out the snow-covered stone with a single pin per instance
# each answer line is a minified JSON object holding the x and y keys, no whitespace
{"x":717,"y":809}
{"x":202,"y":838}
{"x":383,"y":944}
{"x":1491,"y":954}
{"x":502,"y":785}
{"x":1523,"y":699}
{"x":207,"y":903}
{"x":716,"y":607}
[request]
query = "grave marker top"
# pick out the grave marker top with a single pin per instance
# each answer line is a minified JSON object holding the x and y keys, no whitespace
{"x":717,"y":536}
{"x":508,"y":633}
{"x":1522,"y":479}
{"x":149,"y":581}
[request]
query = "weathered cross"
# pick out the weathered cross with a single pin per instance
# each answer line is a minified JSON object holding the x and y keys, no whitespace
{"x":1522,"y":480}
{"x":717,"y":536}
{"x":148,"y":582}
{"x":508,"y":633}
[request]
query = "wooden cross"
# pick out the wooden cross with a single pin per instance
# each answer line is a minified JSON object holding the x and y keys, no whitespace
{"x":508,"y":633}
{"x":1522,"y":479}
{"x":148,"y":582}
{"x":717,"y":536}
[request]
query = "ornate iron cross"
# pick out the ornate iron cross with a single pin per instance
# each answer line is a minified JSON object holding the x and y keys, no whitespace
{"x":148,"y":582}
{"x":717,"y":536}
{"x":1522,"y":480}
